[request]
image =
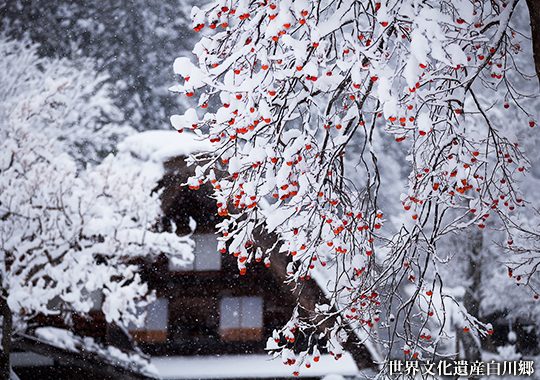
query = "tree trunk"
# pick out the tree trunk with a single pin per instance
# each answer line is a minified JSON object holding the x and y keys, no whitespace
{"x":469,"y":346}
{"x":534,"y":15}
{"x":474,"y":274}
{"x":470,"y":351}
{"x":7,"y":327}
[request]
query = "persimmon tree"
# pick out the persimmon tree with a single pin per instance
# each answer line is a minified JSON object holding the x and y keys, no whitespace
{"x":306,"y":103}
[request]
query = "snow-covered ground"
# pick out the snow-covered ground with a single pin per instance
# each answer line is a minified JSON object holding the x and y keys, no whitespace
{"x":246,"y":366}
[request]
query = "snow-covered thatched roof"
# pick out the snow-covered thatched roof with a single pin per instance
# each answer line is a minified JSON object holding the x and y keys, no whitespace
{"x":159,"y":146}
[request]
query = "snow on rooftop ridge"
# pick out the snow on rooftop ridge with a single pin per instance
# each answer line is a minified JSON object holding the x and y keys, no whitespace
{"x":160,"y":145}
{"x":67,"y":340}
{"x":57,"y":337}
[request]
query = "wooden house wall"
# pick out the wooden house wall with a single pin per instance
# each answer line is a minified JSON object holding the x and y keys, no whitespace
{"x":194,"y":308}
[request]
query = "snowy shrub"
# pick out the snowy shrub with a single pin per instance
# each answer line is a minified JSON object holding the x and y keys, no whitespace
{"x":67,"y":233}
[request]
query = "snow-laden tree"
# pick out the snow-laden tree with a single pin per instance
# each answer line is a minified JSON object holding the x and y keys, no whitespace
{"x":321,"y":106}
{"x":67,"y":234}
